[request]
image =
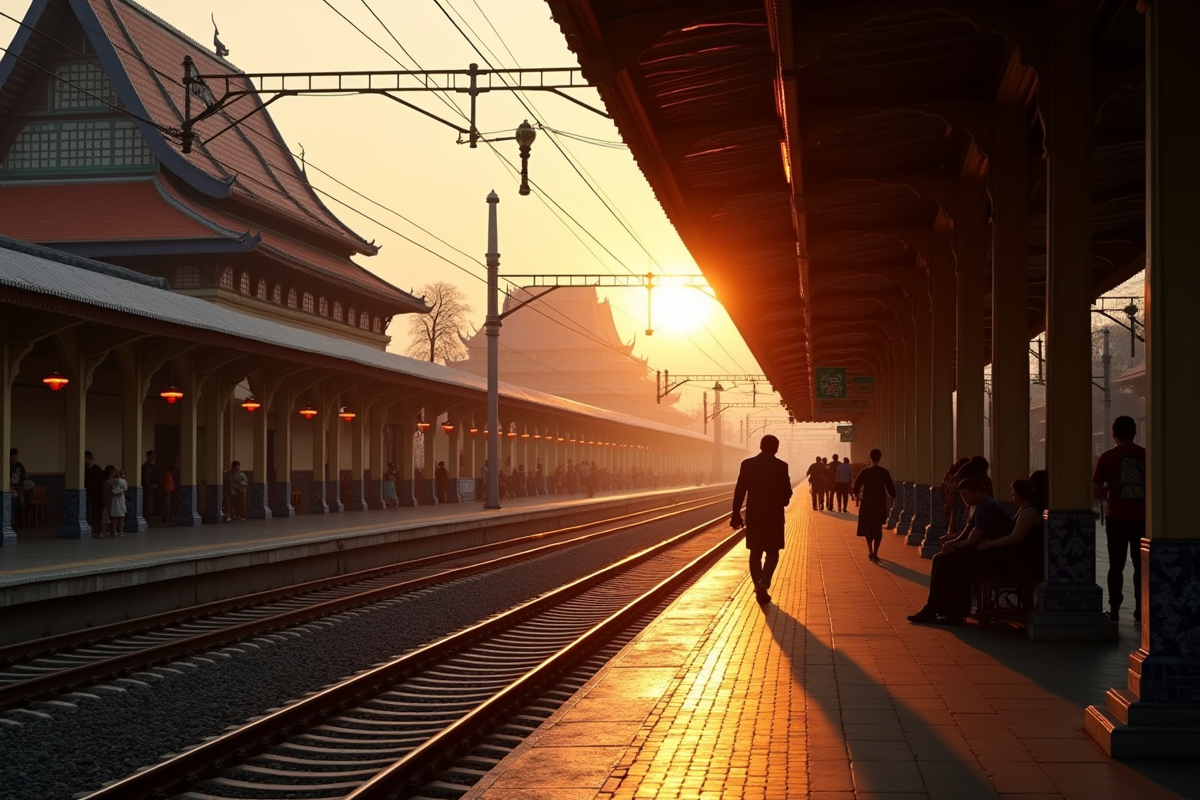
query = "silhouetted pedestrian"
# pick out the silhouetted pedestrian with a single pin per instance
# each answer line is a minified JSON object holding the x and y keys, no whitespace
{"x":764,"y":485}
{"x":876,"y":490}
{"x":1120,"y":478}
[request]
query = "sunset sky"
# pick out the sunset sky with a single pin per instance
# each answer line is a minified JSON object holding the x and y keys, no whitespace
{"x":407,"y":164}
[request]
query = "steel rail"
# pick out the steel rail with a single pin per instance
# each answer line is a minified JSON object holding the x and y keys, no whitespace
{"x":208,"y":759}
{"x":71,"y":678}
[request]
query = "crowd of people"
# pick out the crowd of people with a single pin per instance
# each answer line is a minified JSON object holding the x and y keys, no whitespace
{"x":584,"y":477}
{"x":830,"y":482}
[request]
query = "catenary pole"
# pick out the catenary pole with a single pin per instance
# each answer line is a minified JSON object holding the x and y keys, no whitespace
{"x":492,"y":330}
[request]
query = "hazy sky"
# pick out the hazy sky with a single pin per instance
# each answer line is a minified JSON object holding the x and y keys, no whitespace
{"x":411,"y":164}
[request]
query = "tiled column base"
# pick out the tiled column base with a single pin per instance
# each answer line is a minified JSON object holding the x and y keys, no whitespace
{"x":8,"y":537}
{"x":937,"y":527}
{"x":405,"y":489}
{"x":316,"y":499}
{"x":256,"y":502}
{"x":1158,"y":714}
{"x":427,"y":494}
{"x":1070,"y":603}
{"x":904,"y":499}
{"x":452,"y":490}
{"x":281,"y":502}
{"x":374,"y":493}
{"x":214,"y":512}
{"x":358,"y":501}
{"x":466,"y":490}
{"x":186,"y":516}
{"x":135,"y":519}
{"x":74,"y":522}
{"x":920,"y":517}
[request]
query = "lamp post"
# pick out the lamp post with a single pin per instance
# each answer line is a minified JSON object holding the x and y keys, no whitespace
{"x":525,"y":136}
{"x":491,"y":328}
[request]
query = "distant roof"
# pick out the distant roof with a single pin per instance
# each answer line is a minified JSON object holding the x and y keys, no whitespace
{"x":43,"y":271}
{"x":570,"y":318}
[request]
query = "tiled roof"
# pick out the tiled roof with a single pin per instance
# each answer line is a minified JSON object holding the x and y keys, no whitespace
{"x":88,"y":212}
{"x":143,"y":56}
{"x":46,"y":272}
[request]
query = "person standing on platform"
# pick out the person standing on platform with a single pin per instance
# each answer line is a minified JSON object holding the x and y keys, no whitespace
{"x":876,"y":490}
{"x":841,"y":486}
{"x":440,"y":476}
{"x":239,"y":484}
{"x":93,"y":482}
{"x":765,"y":487}
{"x":816,"y":483}
{"x":18,"y":478}
{"x":1120,"y":478}
{"x":117,"y":510}
{"x":149,"y":485}
{"x":831,"y":483}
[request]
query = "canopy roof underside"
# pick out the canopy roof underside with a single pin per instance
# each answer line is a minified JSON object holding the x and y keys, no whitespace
{"x":806,"y":153}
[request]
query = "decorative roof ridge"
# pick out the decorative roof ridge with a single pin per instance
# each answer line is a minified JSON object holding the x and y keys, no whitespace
{"x":50,"y":254}
{"x":412,"y":300}
{"x":192,"y":213}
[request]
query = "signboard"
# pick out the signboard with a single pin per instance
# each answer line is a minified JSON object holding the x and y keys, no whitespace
{"x":831,"y":383}
{"x":846,"y":432}
{"x":859,"y":385}
{"x":848,"y":437}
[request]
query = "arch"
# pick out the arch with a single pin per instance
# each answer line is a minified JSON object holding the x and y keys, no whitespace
{"x":364,"y":321}
{"x":306,"y":302}
{"x":291,"y":298}
{"x":377,"y":325}
{"x":337,"y":311}
{"x":277,"y":294}
{"x":323,"y":307}
{"x":261,"y":293}
{"x":226,"y":279}
{"x":244,"y":283}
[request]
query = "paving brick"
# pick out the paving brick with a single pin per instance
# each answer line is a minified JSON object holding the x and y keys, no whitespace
{"x":829,"y":693}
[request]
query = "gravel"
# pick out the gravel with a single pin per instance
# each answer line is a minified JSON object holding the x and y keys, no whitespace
{"x":105,"y":732}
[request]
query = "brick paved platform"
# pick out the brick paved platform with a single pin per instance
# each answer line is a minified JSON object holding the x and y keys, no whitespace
{"x":830,"y":694}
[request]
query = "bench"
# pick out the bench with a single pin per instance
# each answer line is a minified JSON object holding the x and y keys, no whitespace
{"x":1003,"y":598}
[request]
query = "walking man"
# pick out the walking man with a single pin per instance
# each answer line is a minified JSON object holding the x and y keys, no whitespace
{"x":765,"y":479}
{"x":1120,"y":477}
{"x":842,"y":484}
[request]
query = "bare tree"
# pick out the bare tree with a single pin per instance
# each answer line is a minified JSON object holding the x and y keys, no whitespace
{"x":435,"y":336}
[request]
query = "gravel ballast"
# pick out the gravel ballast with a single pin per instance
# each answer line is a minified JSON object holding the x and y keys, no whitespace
{"x":102,"y":733}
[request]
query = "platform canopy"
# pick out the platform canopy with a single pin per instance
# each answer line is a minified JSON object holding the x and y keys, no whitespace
{"x":807,"y":152}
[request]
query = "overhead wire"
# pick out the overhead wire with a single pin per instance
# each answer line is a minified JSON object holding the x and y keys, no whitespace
{"x":587,"y":180}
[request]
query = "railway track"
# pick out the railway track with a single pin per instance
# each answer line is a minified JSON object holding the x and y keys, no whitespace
{"x":431,"y":722}
{"x":46,"y":668}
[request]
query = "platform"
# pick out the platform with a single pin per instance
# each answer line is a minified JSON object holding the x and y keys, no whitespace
{"x":830,"y":694}
{"x":166,"y":568}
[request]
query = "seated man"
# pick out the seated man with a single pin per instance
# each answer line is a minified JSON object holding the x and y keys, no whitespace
{"x":952,"y":570}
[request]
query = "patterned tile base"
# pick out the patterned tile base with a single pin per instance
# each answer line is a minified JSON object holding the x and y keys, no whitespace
{"x":281,"y":500}
{"x":135,"y":520}
{"x":1167,"y":666}
{"x":358,"y":500}
{"x":404,"y":488}
{"x":186,"y":516}
{"x":256,"y":502}
{"x":937,"y":527}
{"x":374,"y":493}
{"x":920,"y":519}
{"x":214,"y":512}
{"x":74,"y":522}
{"x":316,"y":499}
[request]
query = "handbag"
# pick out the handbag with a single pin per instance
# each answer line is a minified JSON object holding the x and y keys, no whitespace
{"x":27,"y":485}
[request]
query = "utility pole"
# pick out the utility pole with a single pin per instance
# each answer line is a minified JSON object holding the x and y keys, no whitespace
{"x":492,"y":329}
{"x":718,"y":424}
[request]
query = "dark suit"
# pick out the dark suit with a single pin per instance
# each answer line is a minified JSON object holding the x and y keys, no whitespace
{"x":764,"y":479}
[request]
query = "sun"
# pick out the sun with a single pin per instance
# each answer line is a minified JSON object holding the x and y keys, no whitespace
{"x":679,"y":309}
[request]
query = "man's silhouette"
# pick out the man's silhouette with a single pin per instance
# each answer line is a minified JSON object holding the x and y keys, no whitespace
{"x":765,"y":478}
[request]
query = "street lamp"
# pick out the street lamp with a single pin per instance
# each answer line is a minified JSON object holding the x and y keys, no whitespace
{"x":525,"y":136}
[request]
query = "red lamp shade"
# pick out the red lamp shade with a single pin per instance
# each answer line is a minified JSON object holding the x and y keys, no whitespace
{"x":55,"y":381}
{"x":308,"y":412}
{"x":474,"y":430}
{"x":512,"y":434}
{"x":171,"y":394}
{"x":250,"y":404}
{"x":346,"y":414}
{"x":525,"y":435}
{"x":537,"y":435}
{"x":423,"y":426}
{"x":561,"y":439}
{"x":447,"y":427}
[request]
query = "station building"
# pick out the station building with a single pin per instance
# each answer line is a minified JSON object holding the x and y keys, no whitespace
{"x":206,"y":306}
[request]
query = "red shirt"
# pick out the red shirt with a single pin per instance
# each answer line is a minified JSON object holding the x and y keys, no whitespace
{"x":1122,"y":470}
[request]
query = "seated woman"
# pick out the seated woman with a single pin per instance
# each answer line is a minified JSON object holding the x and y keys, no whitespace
{"x":990,"y":544}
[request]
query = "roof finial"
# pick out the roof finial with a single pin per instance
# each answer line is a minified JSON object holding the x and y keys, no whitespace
{"x":221,"y":50}
{"x":303,"y":171}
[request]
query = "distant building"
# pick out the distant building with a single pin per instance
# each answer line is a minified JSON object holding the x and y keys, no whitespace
{"x":83,"y":170}
{"x":567,"y":344}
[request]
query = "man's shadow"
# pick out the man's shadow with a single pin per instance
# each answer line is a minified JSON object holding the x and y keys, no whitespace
{"x":935,"y":756}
